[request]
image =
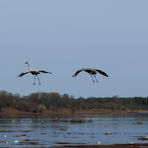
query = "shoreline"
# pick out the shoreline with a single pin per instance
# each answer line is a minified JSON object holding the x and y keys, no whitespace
{"x":10,"y":112}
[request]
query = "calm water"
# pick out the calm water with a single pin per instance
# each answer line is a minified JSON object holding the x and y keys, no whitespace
{"x":47,"y":132}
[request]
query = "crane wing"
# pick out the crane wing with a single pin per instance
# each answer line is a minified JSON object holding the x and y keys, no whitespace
{"x":77,"y":72}
{"x":23,"y":73}
{"x":101,"y":72}
{"x":43,"y":71}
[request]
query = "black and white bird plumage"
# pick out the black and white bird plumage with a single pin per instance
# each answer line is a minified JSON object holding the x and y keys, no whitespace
{"x":34,"y":72}
{"x":92,"y":72}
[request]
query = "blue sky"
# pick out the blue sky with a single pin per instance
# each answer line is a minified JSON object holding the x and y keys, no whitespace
{"x":62,"y":36}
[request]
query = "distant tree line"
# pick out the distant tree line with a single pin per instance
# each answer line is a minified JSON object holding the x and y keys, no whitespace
{"x":40,"y":101}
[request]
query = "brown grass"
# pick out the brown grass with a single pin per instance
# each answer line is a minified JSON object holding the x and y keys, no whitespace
{"x":10,"y":112}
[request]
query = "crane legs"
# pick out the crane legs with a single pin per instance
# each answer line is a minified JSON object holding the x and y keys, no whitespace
{"x":94,"y":78}
{"x":38,"y":80}
{"x":35,"y":79}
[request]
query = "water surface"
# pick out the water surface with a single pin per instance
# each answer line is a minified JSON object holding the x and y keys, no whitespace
{"x":46,"y":132}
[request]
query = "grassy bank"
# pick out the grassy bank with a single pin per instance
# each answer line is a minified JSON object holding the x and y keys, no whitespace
{"x":10,"y":112}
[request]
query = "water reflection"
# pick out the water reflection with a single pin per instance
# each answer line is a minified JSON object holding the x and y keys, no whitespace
{"x":73,"y":130}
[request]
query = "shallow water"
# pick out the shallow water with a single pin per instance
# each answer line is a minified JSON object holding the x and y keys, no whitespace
{"x":46,"y":132}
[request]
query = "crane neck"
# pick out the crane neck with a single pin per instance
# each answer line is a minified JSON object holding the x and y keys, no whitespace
{"x":28,"y":66}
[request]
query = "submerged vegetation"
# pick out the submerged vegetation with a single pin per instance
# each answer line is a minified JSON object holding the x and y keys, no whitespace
{"x":40,"y":102}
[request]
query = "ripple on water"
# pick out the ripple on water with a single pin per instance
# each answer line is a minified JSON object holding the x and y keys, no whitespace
{"x":28,"y":142}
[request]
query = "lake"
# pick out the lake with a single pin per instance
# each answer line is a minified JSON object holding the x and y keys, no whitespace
{"x":47,"y":132}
